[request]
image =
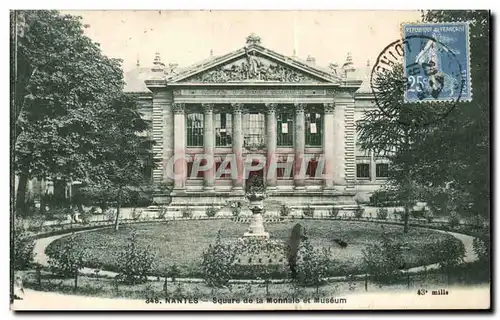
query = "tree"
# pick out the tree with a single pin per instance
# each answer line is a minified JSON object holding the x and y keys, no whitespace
{"x":451,"y":152}
{"x":457,"y":150}
{"x":217,"y":262}
{"x":383,"y":259}
{"x":69,"y":260}
{"x":391,"y":133}
{"x":60,"y":81}
{"x":23,"y":245}
{"x":313,"y":267}
{"x":135,"y":262}
{"x":124,"y":148}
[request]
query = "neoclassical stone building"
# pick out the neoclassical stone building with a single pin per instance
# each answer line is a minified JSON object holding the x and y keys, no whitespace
{"x":255,"y":101}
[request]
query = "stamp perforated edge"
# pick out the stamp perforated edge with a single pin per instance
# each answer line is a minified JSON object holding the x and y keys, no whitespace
{"x":467,"y":45}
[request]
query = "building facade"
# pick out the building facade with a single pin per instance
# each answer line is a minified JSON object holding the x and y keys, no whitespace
{"x":254,"y":112}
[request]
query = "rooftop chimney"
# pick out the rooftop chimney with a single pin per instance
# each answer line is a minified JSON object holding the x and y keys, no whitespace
{"x":348,"y":66}
{"x":158,"y":65}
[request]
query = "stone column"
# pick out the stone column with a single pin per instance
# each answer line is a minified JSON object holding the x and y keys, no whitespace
{"x":179,"y":146}
{"x":300,"y":143}
{"x":328,"y":144}
{"x":373,"y":167}
{"x":271,"y":144}
{"x":238,"y":147}
{"x":209,"y":143}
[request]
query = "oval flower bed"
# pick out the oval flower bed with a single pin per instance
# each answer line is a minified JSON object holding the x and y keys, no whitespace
{"x":182,"y":242}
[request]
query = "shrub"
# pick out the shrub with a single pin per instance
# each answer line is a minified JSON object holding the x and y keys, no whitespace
{"x":384,"y":198}
{"x":141,"y":197}
{"x":162,"y":213}
{"x":382,"y":260}
{"x":216,"y":263}
{"x":451,"y":253}
{"x":285,"y":210}
{"x":382,"y":213}
{"x":187,"y":212}
{"x":482,"y":249}
{"x":179,"y":292}
{"x":453,"y":219}
{"x":135,"y":263}
{"x":399,"y":214}
{"x":313,"y":267}
{"x":35,"y":223}
{"x":476,"y":221}
{"x":68,"y":259}
{"x":23,"y":246}
{"x":333,"y":212}
{"x":136,"y":214}
{"x":211,"y":211}
{"x":235,"y":210}
{"x":428,"y":216}
{"x":111,"y":214}
{"x":86,"y":217}
{"x":359,"y":211}
{"x":418,"y":214}
{"x":308,"y":211}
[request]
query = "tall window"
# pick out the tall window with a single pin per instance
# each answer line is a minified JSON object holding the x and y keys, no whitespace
{"x":223,"y":130}
{"x":254,"y":129}
{"x":314,"y":128}
{"x":363,"y":170}
{"x":382,"y":170}
{"x":285,"y":129}
{"x":194,"y":129}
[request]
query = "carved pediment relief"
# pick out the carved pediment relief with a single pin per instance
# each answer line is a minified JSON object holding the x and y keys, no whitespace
{"x":253,"y":67}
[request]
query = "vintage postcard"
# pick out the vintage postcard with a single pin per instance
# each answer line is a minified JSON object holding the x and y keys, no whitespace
{"x":250,"y":160}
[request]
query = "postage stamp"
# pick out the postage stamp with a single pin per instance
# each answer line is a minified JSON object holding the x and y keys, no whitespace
{"x":242,"y":160}
{"x":437,"y":62}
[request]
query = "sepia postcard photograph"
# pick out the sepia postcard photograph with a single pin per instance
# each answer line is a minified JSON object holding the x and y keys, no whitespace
{"x":250,"y":160}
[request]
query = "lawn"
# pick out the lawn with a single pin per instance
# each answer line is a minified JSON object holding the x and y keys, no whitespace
{"x":183,"y":242}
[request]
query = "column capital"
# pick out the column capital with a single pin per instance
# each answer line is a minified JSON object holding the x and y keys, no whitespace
{"x":271,"y":108}
{"x":208,"y":108}
{"x":237,"y":107}
{"x":299,"y":107}
{"x":329,"y":108}
{"x":178,"y":108}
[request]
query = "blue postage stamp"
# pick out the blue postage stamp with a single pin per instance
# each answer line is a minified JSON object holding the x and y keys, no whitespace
{"x":436,"y":62}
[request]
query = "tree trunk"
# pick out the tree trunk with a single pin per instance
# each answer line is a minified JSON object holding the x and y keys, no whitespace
{"x":407,"y":190}
{"x":43,"y":195}
{"x":76,"y":281}
{"x":118,"y":207}
{"x":406,"y":219}
{"x":21,"y":194}
{"x":165,"y":287}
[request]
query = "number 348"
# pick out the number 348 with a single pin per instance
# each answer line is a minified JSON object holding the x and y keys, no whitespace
{"x":417,"y":83}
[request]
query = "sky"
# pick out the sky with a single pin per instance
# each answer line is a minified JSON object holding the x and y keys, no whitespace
{"x":186,"y":37}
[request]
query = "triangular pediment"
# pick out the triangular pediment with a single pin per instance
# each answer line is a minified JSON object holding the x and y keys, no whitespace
{"x":254,"y":64}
